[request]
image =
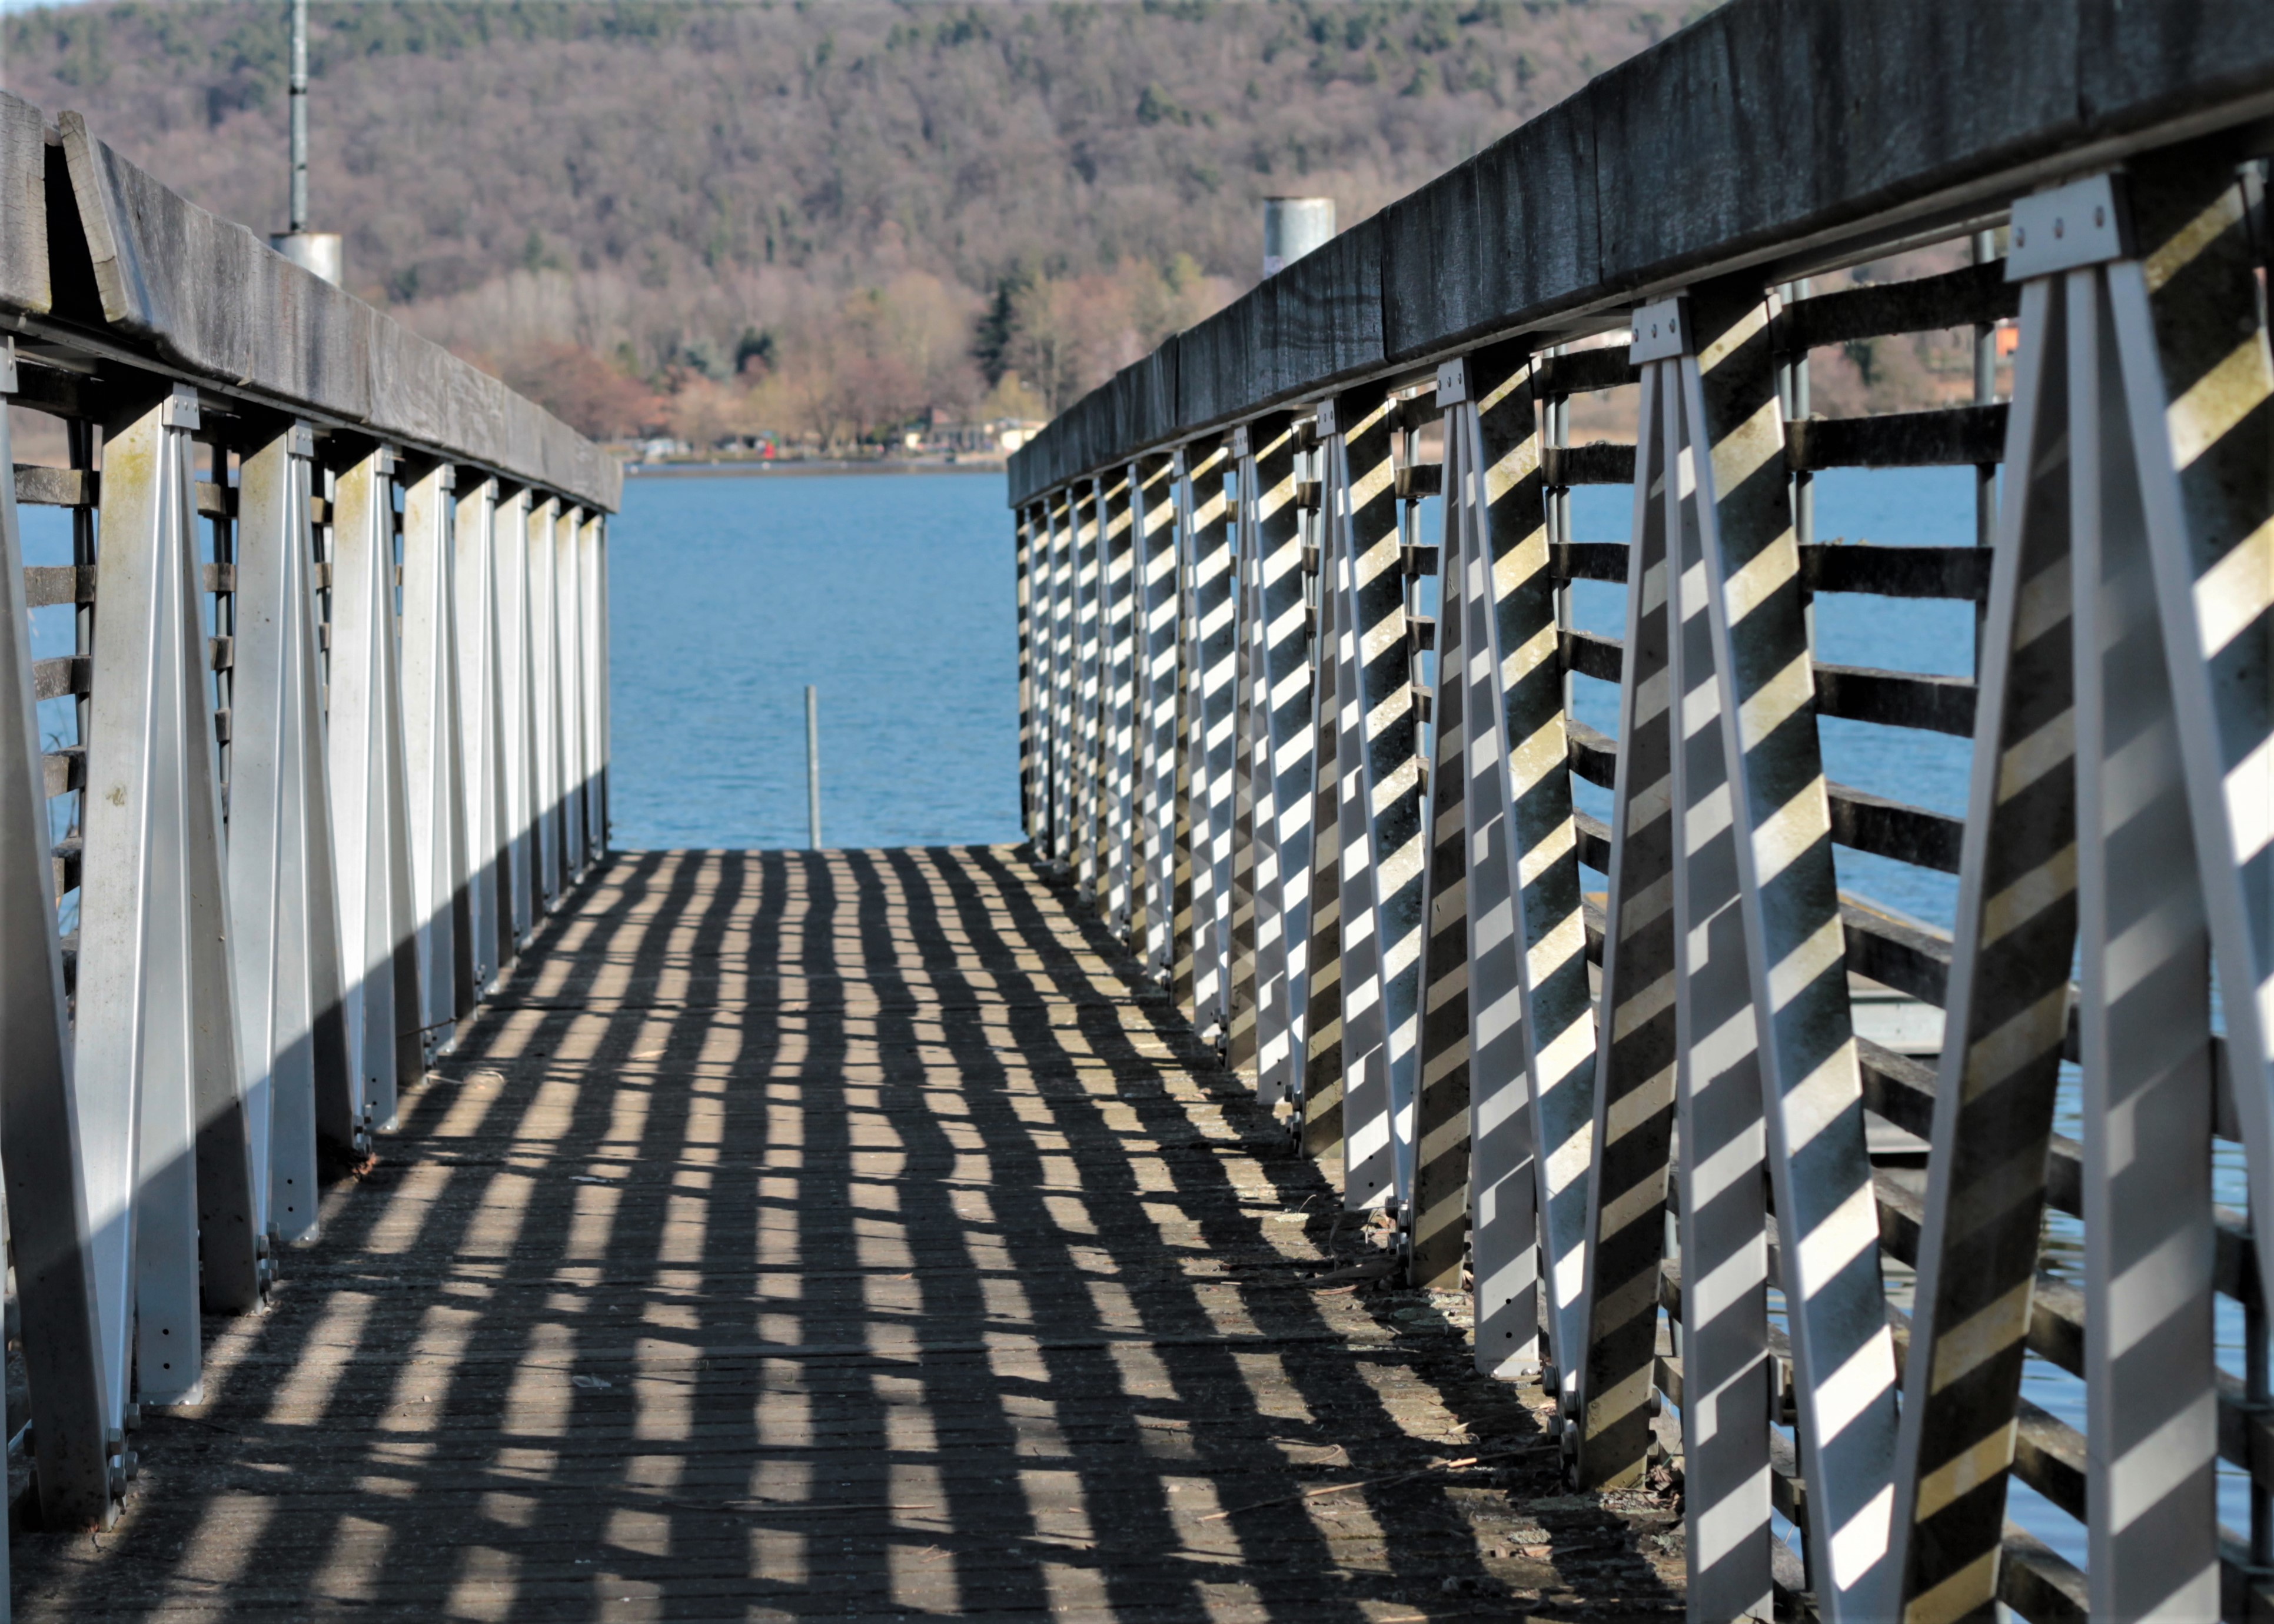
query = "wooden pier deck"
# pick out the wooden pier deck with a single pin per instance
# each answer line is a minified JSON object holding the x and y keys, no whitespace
{"x":843,"y":1234}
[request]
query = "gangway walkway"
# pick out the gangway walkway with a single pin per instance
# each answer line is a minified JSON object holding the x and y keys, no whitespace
{"x":843,"y":1234}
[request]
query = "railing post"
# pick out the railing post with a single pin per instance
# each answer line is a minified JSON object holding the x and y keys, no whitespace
{"x":489,"y":900}
{"x":1280,"y":699}
{"x":1119,"y":709}
{"x":1384,"y":846}
{"x":568,"y":591}
{"x":433,"y":756}
{"x":1021,"y":553}
{"x":1057,"y":761}
{"x":1210,"y":644}
{"x":160,"y":1075}
{"x":518,"y":709}
{"x":284,"y":901}
{"x":46,"y":1121}
{"x":1085,"y":505}
{"x":1321,"y":1091}
{"x":1250,"y":861}
{"x":544,"y":695}
{"x":370,"y":811}
{"x":591,"y":574}
{"x":1154,"y":499}
{"x":1757,"y":642}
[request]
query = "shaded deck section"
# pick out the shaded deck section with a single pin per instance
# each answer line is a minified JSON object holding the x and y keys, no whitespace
{"x":843,"y":1234}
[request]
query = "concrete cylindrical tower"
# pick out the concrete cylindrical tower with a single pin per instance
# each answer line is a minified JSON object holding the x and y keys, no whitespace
{"x":312,"y":251}
{"x":1292,"y":226}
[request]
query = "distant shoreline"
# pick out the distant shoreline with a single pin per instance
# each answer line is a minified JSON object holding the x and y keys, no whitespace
{"x":690,"y":470}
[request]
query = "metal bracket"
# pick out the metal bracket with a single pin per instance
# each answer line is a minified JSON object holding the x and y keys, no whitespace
{"x":1239,"y":441}
{"x":1326,"y":418}
{"x":2068,"y":227}
{"x":1662,"y":331}
{"x":7,"y":366}
{"x":1452,"y":384}
{"x":180,"y":409}
{"x":300,"y":441}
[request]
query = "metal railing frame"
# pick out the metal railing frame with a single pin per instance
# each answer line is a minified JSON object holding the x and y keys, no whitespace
{"x":1408,"y":966}
{"x":341,"y":743}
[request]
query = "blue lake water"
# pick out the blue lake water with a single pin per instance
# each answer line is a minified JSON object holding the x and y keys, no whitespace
{"x":894,"y":596}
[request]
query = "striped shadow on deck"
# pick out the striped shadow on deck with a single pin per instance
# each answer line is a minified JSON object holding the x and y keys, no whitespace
{"x":849,"y":1234}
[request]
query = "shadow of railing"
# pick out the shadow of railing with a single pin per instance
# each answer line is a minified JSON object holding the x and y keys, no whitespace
{"x":831,"y":1233}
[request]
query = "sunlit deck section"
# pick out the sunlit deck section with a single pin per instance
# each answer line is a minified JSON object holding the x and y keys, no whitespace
{"x":845,"y":1234}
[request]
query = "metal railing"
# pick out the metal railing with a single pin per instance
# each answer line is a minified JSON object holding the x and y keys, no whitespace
{"x":330,"y":739}
{"x":1631,"y":1113}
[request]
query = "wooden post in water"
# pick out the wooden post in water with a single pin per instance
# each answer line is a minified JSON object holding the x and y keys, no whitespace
{"x":812,"y":770}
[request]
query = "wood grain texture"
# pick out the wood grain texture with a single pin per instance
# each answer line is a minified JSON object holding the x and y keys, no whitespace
{"x":841,"y":1233}
{"x":211,"y":297}
{"x":24,"y":282}
{"x":1759,"y":124}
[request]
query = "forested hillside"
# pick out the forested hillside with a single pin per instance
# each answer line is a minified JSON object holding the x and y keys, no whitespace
{"x":818,"y":218}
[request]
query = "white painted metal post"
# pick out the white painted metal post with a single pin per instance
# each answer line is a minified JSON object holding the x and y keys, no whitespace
{"x":1843,"y":1366}
{"x":432,"y":753}
{"x":1158,"y":654}
{"x":544,"y":694}
{"x":596,"y":542}
{"x":283,"y":903}
{"x":165,"y":1134}
{"x":481,"y":729}
{"x":2144,"y":1017}
{"x":568,"y":591}
{"x":1210,"y":631}
{"x":518,"y":709}
{"x":1384,"y":842}
{"x":44,"y":1125}
{"x":370,"y":810}
{"x":1280,"y":647}
{"x":1725,"y":1374}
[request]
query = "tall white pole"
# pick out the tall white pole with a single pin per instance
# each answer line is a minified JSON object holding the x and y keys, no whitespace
{"x":299,"y":108}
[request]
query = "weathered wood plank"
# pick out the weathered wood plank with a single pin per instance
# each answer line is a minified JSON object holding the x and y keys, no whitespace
{"x":843,"y":1235}
{"x":1764,"y":125}
{"x":208,"y":295}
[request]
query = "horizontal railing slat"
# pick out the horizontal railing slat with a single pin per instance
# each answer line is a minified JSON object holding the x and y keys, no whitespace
{"x":1602,"y":463}
{"x":1896,"y":698}
{"x":1896,"y":953}
{"x":1864,"y":822}
{"x":64,"y":769}
{"x":1583,"y":371}
{"x":49,"y":585}
{"x":40,"y":486}
{"x":1897,"y":572}
{"x":1594,"y":756}
{"x":1591,"y":655}
{"x":1976,"y":295}
{"x":1830,"y":566}
{"x":63,"y":676}
{"x":1952,"y":436}
{"x":56,"y":487}
{"x":2038,"y":1582}
{"x":1590,"y":561}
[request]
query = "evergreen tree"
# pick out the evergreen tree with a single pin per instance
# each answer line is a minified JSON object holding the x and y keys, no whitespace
{"x":990,"y":340}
